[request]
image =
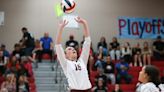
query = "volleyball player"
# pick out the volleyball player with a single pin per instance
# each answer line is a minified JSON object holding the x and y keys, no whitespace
{"x":75,"y":69}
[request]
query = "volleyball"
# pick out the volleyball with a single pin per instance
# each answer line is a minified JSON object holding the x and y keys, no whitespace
{"x":68,"y":6}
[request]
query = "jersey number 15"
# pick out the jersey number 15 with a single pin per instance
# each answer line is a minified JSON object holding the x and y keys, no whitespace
{"x":78,"y":67}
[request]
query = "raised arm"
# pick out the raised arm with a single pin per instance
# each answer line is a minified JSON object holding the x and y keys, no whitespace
{"x":60,"y":30}
{"x":58,"y":47}
{"x":87,"y":43}
{"x":85,"y":25}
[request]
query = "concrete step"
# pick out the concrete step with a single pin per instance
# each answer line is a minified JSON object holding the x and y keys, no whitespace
{"x":46,"y":80}
{"x":47,"y":67}
{"x":46,"y":64}
{"x":50,"y":80}
{"x":50,"y":86}
{"x":50,"y":91}
{"x":44,"y":68}
{"x":48,"y":74}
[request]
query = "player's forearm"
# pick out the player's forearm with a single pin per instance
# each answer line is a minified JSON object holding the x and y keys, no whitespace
{"x":86,"y":29}
{"x":59,"y":36}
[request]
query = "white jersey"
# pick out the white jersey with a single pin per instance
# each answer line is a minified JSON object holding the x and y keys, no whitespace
{"x":161,"y":86}
{"x":76,"y":71}
{"x":149,"y":87}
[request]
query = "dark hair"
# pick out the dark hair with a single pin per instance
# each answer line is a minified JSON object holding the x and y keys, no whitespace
{"x":24,"y":28}
{"x":17,"y":45}
{"x":159,"y":37}
{"x":3,"y":46}
{"x":103,"y":38}
{"x":115,"y":39}
{"x":153,"y":73}
{"x":71,"y":37}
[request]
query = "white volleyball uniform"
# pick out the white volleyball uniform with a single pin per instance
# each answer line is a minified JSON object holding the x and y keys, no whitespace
{"x":149,"y":87}
{"x":76,"y":71}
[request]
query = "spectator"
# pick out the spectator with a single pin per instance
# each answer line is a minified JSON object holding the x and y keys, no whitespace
{"x":23,"y":84}
{"x":25,"y":62}
{"x":27,"y":42}
{"x":100,"y":87}
{"x":36,"y":52}
{"x":158,"y":48}
{"x":114,"y":48}
{"x":103,"y":44}
{"x":102,"y":76}
{"x":117,"y":88}
{"x":122,"y":68}
{"x":100,"y":62}
{"x":47,"y":46}
{"x":5,"y":52}
{"x":109,"y":70}
{"x":150,"y":77}
{"x":3,"y":90}
{"x":3,"y":62}
{"x":126,"y":52}
{"x":22,"y":71}
{"x":136,"y":52}
{"x":10,"y":84}
{"x":72,"y":43}
{"x":146,"y":52}
{"x":90,"y":65}
{"x":13,"y":65}
{"x":17,"y":51}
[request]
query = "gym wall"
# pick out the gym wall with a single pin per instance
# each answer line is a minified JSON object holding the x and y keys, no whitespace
{"x":102,"y":15}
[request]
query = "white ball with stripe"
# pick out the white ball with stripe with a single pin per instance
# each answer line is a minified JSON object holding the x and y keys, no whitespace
{"x":68,"y":6}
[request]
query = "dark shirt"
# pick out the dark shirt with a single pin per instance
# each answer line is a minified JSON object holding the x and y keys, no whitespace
{"x":103,"y":77}
{"x":103,"y":89}
{"x":135,"y":50}
{"x":104,"y":45}
{"x":72,"y":43}
{"x":114,"y":45}
{"x":29,"y":41}
{"x":25,"y":88}
{"x":23,"y":71}
{"x":109,"y":68}
{"x":162,"y":79}
{"x":18,"y":54}
{"x":159,"y":45}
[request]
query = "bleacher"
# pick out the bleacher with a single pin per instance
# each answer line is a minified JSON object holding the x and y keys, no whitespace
{"x":31,"y":80}
{"x":134,"y":71}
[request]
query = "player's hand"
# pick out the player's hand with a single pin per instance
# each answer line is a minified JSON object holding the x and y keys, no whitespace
{"x":80,"y":20}
{"x":63,"y":24}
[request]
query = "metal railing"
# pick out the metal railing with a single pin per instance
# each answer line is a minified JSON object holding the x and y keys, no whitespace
{"x":62,"y":83}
